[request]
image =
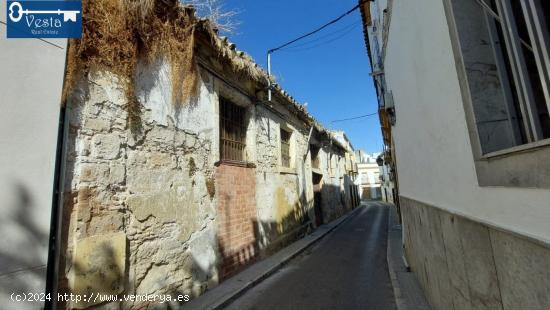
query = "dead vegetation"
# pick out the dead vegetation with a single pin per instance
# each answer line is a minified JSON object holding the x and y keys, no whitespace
{"x":117,"y":34}
{"x":222,"y":19}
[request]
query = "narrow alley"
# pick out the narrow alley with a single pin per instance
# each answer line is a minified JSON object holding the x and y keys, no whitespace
{"x":315,"y":154}
{"x":346,"y":270}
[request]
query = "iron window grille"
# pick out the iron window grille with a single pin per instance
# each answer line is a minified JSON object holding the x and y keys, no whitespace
{"x":285,"y":148}
{"x":232,"y":132}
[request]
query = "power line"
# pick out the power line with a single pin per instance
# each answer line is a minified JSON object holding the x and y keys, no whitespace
{"x":298,"y":49}
{"x":318,"y":29}
{"x":328,"y":35}
{"x":352,"y":118}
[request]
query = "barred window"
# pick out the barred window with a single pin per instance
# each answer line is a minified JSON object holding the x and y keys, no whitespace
{"x":232,"y":131}
{"x":285,"y":148}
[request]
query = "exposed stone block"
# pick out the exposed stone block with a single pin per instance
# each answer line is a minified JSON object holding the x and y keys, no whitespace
{"x":94,"y":172}
{"x":98,"y":267}
{"x":106,"y":146}
{"x":97,"y":124}
{"x":523,"y":271}
{"x":117,"y":173}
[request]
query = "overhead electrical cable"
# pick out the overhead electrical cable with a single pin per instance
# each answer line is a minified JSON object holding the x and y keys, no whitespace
{"x":328,"y":35}
{"x":318,"y":29}
{"x":297,"y":49}
{"x":356,"y":117}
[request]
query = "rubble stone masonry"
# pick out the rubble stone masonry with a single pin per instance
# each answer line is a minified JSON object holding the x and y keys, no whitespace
{"x":139,"y":209}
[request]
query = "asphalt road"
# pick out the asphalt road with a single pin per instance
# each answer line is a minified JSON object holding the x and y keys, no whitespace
{"x":346,"y":270}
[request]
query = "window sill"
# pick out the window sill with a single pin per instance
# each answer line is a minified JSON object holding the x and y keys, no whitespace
{"x":287,"y":170}
{"x":235,"y":163}
{"x":517,"y":149}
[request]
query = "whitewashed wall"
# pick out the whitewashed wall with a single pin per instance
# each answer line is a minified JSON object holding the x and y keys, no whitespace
{"x":434,"y":157}
{"x":31,"y":79}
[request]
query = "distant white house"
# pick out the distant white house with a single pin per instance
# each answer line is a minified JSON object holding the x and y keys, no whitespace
{"x":368,"y":178}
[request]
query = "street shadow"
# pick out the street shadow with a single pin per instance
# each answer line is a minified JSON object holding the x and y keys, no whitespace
{"x":24,"y":246}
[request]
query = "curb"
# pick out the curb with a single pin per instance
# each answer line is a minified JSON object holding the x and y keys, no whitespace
{"x":407,"y":291}
{"x":399,"y":303}
{"x":231,"y":289}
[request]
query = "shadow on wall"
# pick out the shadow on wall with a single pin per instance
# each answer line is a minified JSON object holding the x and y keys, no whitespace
{"x":115,"y":275}
{"x":271,"y":236}
{"x":333,"y":202}
{"x":267,"y":237}
{"x":24,"y":246}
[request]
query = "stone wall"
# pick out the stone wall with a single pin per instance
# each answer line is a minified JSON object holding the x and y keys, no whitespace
{"x":152,"y":210}
{"x":284,"y":195}
{"x":463,"y":264}
{"x":333,"y":192}
{"x":140,"y":209}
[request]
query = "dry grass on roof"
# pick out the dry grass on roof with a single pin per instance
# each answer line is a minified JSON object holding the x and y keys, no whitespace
{"x":119,"y":33}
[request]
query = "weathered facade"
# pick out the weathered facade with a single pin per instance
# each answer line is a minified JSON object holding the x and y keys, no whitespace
{"x":465,"y":84}
{"x":192,"y":191}
{"x":376,"y":28}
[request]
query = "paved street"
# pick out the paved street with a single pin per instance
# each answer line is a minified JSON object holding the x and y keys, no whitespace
{"x":345,"y":270}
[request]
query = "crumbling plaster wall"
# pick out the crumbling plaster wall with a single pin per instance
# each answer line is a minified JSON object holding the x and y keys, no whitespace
{"x":331,"y":190}
{"x":144,"y":204}
{"x":284,"y":195}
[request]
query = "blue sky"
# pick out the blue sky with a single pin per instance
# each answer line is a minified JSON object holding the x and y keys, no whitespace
{"x":332,"y":77}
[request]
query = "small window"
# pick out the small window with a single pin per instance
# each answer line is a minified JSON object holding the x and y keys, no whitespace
{"x":232,"y":131}
{"x":285,"y":148}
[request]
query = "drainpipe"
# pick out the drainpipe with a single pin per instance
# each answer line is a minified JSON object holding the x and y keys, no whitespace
{"x":54,"y":249}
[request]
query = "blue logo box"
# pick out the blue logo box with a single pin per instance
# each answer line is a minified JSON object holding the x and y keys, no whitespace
{"x":44,"y":19}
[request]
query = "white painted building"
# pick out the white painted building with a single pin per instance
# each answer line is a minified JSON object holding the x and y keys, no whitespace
{"x":388,"y":189}
{"x":31,"y":80}
{"x":368,"y":175}
{"x":466,"y":86}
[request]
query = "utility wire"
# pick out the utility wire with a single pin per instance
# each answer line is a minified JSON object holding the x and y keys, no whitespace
{"x":352,"y":118}
{"x":297,"y":49}
{"x":318,"y":29}
{"x":328,"y":35}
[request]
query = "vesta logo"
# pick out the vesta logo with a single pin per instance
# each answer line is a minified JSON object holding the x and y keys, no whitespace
{"x":44,"y":19}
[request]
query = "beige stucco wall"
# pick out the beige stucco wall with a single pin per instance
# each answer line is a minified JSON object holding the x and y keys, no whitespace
{"x":433,"y":151}
{"x":31,"y":78}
